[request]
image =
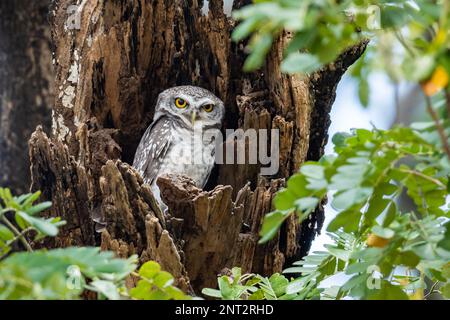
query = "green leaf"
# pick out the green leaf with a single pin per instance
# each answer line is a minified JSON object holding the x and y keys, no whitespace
{"x":296,"y":270}
{"x":408,"y":258}
{"x":348,"y":198}
{"x":425,"y":125}
{"x":418,"y":68}
{"x":348,"y":220}
{"x":285,"y":199}
{"x":49,"y":270}
{"x":236,"y":273}
{"x":307,"y":204}
{"x":146,"y":291}
{"x":5,"y":233}
{"x":446,"y":290}
{"x":358,"y":267}
{"x":376,"y":207}
{"x":296,"y":286}
{"x":226,"y":289}
{"x":300,"y":41}
{"x":20,"y":221}
{"x":394,"y":16}
{"x":354,"y":282}
{"x":341,"y":254}
{"x":303,"y":63}
{"x":257,"y":295}
{"x":39,"y":224}
{"x":20,"y":199}
{"x":260,"y":46}
{"x":390,"y":214}
{"x":279,"y":284}
{"x":31,"y":198}
{"x":383,"y":232}
{"x":388,"y":291}
{"x":313,"y":170}
{"x":339,"y":138}
{"x":106,"y":288}
{"x":163,"y":279}
{"x":39,"y":208}
{"x":445,"y":243}
{"x":245,"y":28}
{"x":211,"y":293}
{"x":149,"y":269}
{"x":363,"y":92}
{"x":271,"y":225}
{"x":177,"y":294}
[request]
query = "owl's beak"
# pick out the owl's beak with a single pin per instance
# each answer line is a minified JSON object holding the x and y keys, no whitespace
{"x":193,"y":117}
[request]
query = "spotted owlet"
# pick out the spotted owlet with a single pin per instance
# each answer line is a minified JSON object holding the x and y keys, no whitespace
{"x":181,"y":138}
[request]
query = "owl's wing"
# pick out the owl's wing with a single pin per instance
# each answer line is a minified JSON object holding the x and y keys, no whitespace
{"x":153,"y":147}
{"x":209,"y":170}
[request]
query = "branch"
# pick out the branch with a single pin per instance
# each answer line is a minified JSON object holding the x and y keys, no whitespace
{"x":424,"y":176}
{"x":23,"y":233}
{"x":432,"y":291}
{"x":17,"y":233}
{"x":440,"y":128}
{"x":447,"y":100}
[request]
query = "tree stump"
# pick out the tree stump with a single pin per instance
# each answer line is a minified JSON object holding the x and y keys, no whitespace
{"x":109,"y":73}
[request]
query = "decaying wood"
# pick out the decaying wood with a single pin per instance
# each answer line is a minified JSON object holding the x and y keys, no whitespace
{"x":109,"y":73}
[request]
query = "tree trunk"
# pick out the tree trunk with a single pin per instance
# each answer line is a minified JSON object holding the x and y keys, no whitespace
{"x":26,"y":79}
{"x":109,"y":73}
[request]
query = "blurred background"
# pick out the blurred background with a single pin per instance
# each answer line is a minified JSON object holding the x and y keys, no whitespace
{"x":389,"y":104}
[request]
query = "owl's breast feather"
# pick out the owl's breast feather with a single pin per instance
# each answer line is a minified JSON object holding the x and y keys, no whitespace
{"x":189,"y":154}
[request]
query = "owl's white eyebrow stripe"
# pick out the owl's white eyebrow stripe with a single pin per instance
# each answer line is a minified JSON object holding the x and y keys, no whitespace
{"x":205,"y":101}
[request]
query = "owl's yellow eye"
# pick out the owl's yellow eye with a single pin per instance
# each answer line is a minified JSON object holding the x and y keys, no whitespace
{"x":208,"y":107}
{"x":180,"y":103}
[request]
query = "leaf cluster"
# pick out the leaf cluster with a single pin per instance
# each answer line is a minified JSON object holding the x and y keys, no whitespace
{"x":410,"y":39}
{"x":369,"y":173}
{"x":155,"y":284}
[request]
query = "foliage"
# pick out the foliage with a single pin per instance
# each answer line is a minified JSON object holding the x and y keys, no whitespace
{"x":66,"y":273}
{"x":386,"y":252}
{"x":410,"y":38}
{"x":63,"y":274}
{"x":156,"y":284}
{"x":368,"y":174}
{"x":251,"y":287}
{"x":53,"y":274}
{"x":375,"y":243}
{"x":27,"y":223}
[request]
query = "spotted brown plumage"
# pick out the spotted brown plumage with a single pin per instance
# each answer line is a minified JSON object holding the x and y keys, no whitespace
{"x":181,"y":138}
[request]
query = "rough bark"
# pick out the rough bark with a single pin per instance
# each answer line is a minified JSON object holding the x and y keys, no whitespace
{"x":26,"y":80}
{"x":109,"y":73}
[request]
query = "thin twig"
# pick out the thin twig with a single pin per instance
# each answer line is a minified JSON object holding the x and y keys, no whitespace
{"x":402,"y":41}
{"x":17,"y":233}
{"x":397,"y":104}
{"x":23,"y":233}
{"x":431,"y":290}
{"x":440,"y":128}
{"x":447,"y":100}
{"x":4,"y":256}
{"x":424,"y":176}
